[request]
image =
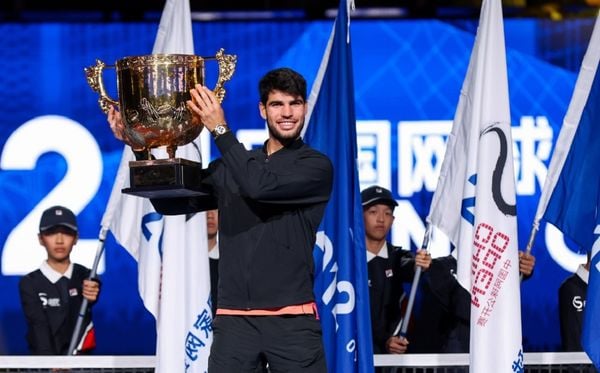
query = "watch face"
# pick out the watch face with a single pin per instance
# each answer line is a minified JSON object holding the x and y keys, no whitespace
{"x":220,"y":129}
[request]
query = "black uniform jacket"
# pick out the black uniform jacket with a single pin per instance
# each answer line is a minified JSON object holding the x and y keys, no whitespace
{"x":386,"y":278}
{"x":269,"y":212}
{"x":571,"y":305}
{"x":443,"y":321}
{"x":50,"y":322}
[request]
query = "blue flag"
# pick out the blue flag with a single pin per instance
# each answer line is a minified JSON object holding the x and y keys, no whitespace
{"x":340,"y":256}
{"x":575,"y":200}
{"x":573,"y":206}
{"x":590,"y":339}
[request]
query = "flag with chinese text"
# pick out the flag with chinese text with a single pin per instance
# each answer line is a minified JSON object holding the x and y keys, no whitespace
{"x":340,"y":264}
{"x":475,"y":202}
{"x":171,"y":251}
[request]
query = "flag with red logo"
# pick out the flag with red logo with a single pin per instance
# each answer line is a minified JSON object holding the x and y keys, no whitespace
{"x":475,"y":201}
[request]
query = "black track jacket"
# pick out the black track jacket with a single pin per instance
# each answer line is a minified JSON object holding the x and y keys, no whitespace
{"x":269,"y":212}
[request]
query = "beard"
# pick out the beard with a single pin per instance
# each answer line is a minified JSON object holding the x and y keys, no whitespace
{"x":284,"y":137}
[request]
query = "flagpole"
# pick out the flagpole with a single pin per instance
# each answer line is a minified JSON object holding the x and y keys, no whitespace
{"x":415,"y":285}
{"x":534,"y":229}
{"x":84,"y":304}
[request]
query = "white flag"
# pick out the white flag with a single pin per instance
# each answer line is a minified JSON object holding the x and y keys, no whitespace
{"x":171,"y":251}
{"x":474,"y":203}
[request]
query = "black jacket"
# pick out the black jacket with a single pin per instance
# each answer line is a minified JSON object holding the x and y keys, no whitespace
{"x":50,"y":322}
{"x":571,"y":306}
{"x":269,"y":212}
{"x":443,"y":323}
{"x":386,"y":278}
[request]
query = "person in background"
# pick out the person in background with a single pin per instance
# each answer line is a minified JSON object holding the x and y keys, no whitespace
{"x":389,"y":267}
{"x":571,"y":306}
{"x":51,"y":296}
{"x":443,"y":322}
{"x":212,"y":231}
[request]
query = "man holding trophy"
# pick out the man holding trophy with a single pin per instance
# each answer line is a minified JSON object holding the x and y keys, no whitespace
{"x":271,"y":202}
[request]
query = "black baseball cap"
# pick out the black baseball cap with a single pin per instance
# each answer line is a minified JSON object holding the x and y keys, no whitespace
{"x":375,"y":195}
{"x":58,"y":216}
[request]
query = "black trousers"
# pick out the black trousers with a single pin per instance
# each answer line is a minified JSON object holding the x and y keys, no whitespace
{"x":288,"y":343}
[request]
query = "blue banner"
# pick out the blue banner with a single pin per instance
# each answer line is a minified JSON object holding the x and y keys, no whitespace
{"x":574,"y":204}
{"x":341,"y":268}
{"x":590,"y":339}
{"x":56,"y":147}
{"x":575,"y":201}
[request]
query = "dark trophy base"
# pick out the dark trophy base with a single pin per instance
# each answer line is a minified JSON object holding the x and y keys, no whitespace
{"x":164,"y":178}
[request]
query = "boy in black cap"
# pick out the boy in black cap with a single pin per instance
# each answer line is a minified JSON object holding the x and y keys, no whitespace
{"x":51,"y":296}
{"x":389,"y":267}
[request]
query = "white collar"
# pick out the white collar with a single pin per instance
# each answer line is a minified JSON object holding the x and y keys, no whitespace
{"x":214,"y":252}
{"x":382,"y":253}
{"x":53,"y":275}
{"x":583,"y":273}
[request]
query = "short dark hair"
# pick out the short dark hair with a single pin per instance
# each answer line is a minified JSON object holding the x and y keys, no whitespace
{"x":282,"y":79}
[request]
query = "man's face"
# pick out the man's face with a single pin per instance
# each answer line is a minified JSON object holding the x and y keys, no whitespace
{"x":212,"y":223}
{"x":59,"y":242}
{"x":284,"y":114}
{"x":378,"y":221}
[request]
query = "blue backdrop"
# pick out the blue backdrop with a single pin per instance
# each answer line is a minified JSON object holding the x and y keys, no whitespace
{"x":55,"y":145}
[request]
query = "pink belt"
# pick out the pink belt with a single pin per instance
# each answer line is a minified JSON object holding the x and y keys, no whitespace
{"x":309,"y":308}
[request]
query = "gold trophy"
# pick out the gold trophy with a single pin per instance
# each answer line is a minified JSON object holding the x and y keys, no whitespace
{"x":153,"y":91}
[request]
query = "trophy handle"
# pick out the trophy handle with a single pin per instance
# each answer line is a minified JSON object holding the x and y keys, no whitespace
{"x":226,"y":69}
{"x":93,"y":75}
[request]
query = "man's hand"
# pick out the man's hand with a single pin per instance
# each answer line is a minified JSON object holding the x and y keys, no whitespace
{"x":116,"y":124}
{"x":205,"y":107}
{"x":526,"y":263}
{"x":91,"y":289}
{"x":396,"y":345}
{"x":423,"y":259}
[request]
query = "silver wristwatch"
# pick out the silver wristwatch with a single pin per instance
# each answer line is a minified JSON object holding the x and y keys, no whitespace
{"x":219,"y":130}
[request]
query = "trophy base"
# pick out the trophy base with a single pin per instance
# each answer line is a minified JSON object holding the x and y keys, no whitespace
{"x":164,"y":178}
